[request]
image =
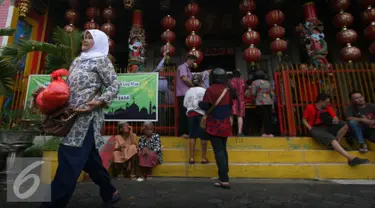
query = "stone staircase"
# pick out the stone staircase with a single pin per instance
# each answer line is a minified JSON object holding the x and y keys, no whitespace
{"x":257,"y":157}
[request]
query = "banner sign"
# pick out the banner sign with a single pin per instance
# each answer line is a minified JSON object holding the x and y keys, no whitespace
{"x":136,"y":101}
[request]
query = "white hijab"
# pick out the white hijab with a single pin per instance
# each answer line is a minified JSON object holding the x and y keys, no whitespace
{"x":100,"y":47}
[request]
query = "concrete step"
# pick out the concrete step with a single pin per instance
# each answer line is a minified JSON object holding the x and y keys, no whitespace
{"x":267,"y":156}
{"x":269,"y":170}
{"x":285,"y":143}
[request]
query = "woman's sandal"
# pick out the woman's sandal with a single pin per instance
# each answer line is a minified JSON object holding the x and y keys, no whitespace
{"x":205,"y":161}
{"x":191,"y":161}
{"x":116,"y":197}
{"x":363,"y":149}
{"x":221,"y":185}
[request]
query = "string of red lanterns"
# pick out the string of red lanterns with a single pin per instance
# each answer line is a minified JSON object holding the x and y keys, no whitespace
{"x":193,"y":25}
{"x":92,"y":14}
{"x":109,"y":15}
{"x":346,"y":36}
{"x":274,"y":19}
{"x":368,"y":17}
{"x":72,"y":16}
{"x":168,"y":36}
{"x":251,"y":37}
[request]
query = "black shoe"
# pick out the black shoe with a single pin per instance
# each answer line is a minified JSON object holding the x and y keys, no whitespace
{"x":358,"y":161}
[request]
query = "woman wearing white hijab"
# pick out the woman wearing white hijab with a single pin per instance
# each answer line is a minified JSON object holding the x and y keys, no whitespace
{"x":93,"y":85}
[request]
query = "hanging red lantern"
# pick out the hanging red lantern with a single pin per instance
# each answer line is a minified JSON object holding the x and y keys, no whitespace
{"x":347,"y":36}
{"x":69,"y":28}
{"x":193,"y":40}
{"x":91,"y":25}
{"x":92,"y":13}
{"x":168,"y":36}
{"x":168,"y":22}
{"x":71,"y":16}
{"x":250,"y":21}
{"x":372,"y":48}
{"x":247,"y":6}
{"x":368,"y":15}
{"x":299,"y":29}
{"x":192,"y":24}
{"x":109,"y":29}
{"x":111,"y":45}
{"x":350,"y":53}
{"x":109,"y":14}
{"x":340,"y":5}
{"x":370,"y":32}
{"x":275,"y":17}
{"x":251,"y":37}
{"x":278,"y":46}
{"x":197,"y":54}
{"x":276,"y":32}
{"x":252,"y":54}
{"x":192,"y":9}
{"x":168,"y":47}
{"x":343,"y":19}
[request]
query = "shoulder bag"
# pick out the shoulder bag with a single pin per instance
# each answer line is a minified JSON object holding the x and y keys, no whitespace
{"x":204,"y":118}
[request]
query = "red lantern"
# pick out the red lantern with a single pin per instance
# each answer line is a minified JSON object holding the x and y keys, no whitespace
{"x":340,"y":5}
{"x":92,"y":13}
{"x":69,"y":28}
{"x":168,"y":36}
{"x":251,"y":37}
{"x":299,"y":29}
{"x":168,"y":22}
{"x":109,"y":14}
{"x":347,"y":36}
{"x":91,"y":25}
{"x":111,"y":45}
{"x":370,"y":32}
{"x":192,"y":9}
{"x":168,"y":47}
{"x":278,"y":46}
{"x":248,"y":6}
{"x":197,"y":54}
{"x":350,"y":53}
{"x":275,"y":17}
{"x":109,"y":29}
{"x":276,"y":32}
{"x":343,"y":19}
{"x":250,"y":21}
{"x":192,"y":24}
{"x":372,"y":48}
{"x":71,"y":16}
{"x":252,"y":54}
{"x":368,"y":16}
{"x":193,"y":40}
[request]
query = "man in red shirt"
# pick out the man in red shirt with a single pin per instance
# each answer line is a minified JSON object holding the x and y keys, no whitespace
{"x":326,"y":128}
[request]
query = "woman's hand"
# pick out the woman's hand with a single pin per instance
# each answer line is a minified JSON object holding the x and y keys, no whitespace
{"x":92,"y":105}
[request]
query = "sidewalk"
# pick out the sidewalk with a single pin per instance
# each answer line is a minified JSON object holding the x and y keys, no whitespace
{"x":244,"y":193}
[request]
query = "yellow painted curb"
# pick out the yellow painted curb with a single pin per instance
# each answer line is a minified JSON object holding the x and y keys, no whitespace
{"x":47,"y":175}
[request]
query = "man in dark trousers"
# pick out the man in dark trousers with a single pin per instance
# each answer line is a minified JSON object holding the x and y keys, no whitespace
{"x":183,"y":83}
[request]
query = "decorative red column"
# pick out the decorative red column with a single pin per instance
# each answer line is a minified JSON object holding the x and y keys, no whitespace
{"x":368,"y":17}
{"x":168,"y":36}
{"x":274,"y":19}
{"x":251,"y":37}
{"x":346,"y":36}
{"x":109,"y":14}
{"x":192,"y":25}
{"x":137,"y":44}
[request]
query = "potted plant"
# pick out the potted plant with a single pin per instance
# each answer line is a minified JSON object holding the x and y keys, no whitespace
{"x":50,"y":155}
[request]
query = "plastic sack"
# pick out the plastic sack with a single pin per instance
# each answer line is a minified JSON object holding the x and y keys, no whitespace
{"x":55,"y":95}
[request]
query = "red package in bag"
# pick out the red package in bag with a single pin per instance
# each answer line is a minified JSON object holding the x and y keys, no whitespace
{"x":56,"y":94}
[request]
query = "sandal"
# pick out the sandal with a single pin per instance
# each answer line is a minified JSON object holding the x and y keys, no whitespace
{"x":116,"y":197}
{"x":220,"y":184}
{"x":363,"y":148}
{"x":191,"y":161}
{"x":205,"y":161}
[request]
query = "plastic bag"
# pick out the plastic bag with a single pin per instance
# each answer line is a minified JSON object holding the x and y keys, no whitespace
{"x":55,"y":95}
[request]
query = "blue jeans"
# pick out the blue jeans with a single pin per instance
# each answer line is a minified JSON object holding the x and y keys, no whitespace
{"x":357,"y":131}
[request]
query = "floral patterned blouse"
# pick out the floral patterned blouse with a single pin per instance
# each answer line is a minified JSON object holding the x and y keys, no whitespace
{"x":91,"y":79}
{"x":262,"y":92}
{"x":153,"y":144}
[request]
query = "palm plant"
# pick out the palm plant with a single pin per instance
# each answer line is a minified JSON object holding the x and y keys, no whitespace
{"x":7,"y":72}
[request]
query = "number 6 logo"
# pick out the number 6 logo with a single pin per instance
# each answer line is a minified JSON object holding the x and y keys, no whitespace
{"x":23,"y":177}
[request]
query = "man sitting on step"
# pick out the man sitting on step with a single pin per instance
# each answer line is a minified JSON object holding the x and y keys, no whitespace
{"x":326,"y":128}
{"x":361,"y":117}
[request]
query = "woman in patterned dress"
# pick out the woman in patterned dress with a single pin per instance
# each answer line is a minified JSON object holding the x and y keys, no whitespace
{"x":93,"y":85}
{"x":262,"y":92}
{"x":238,"y":107}
{"x":149,"y":144}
